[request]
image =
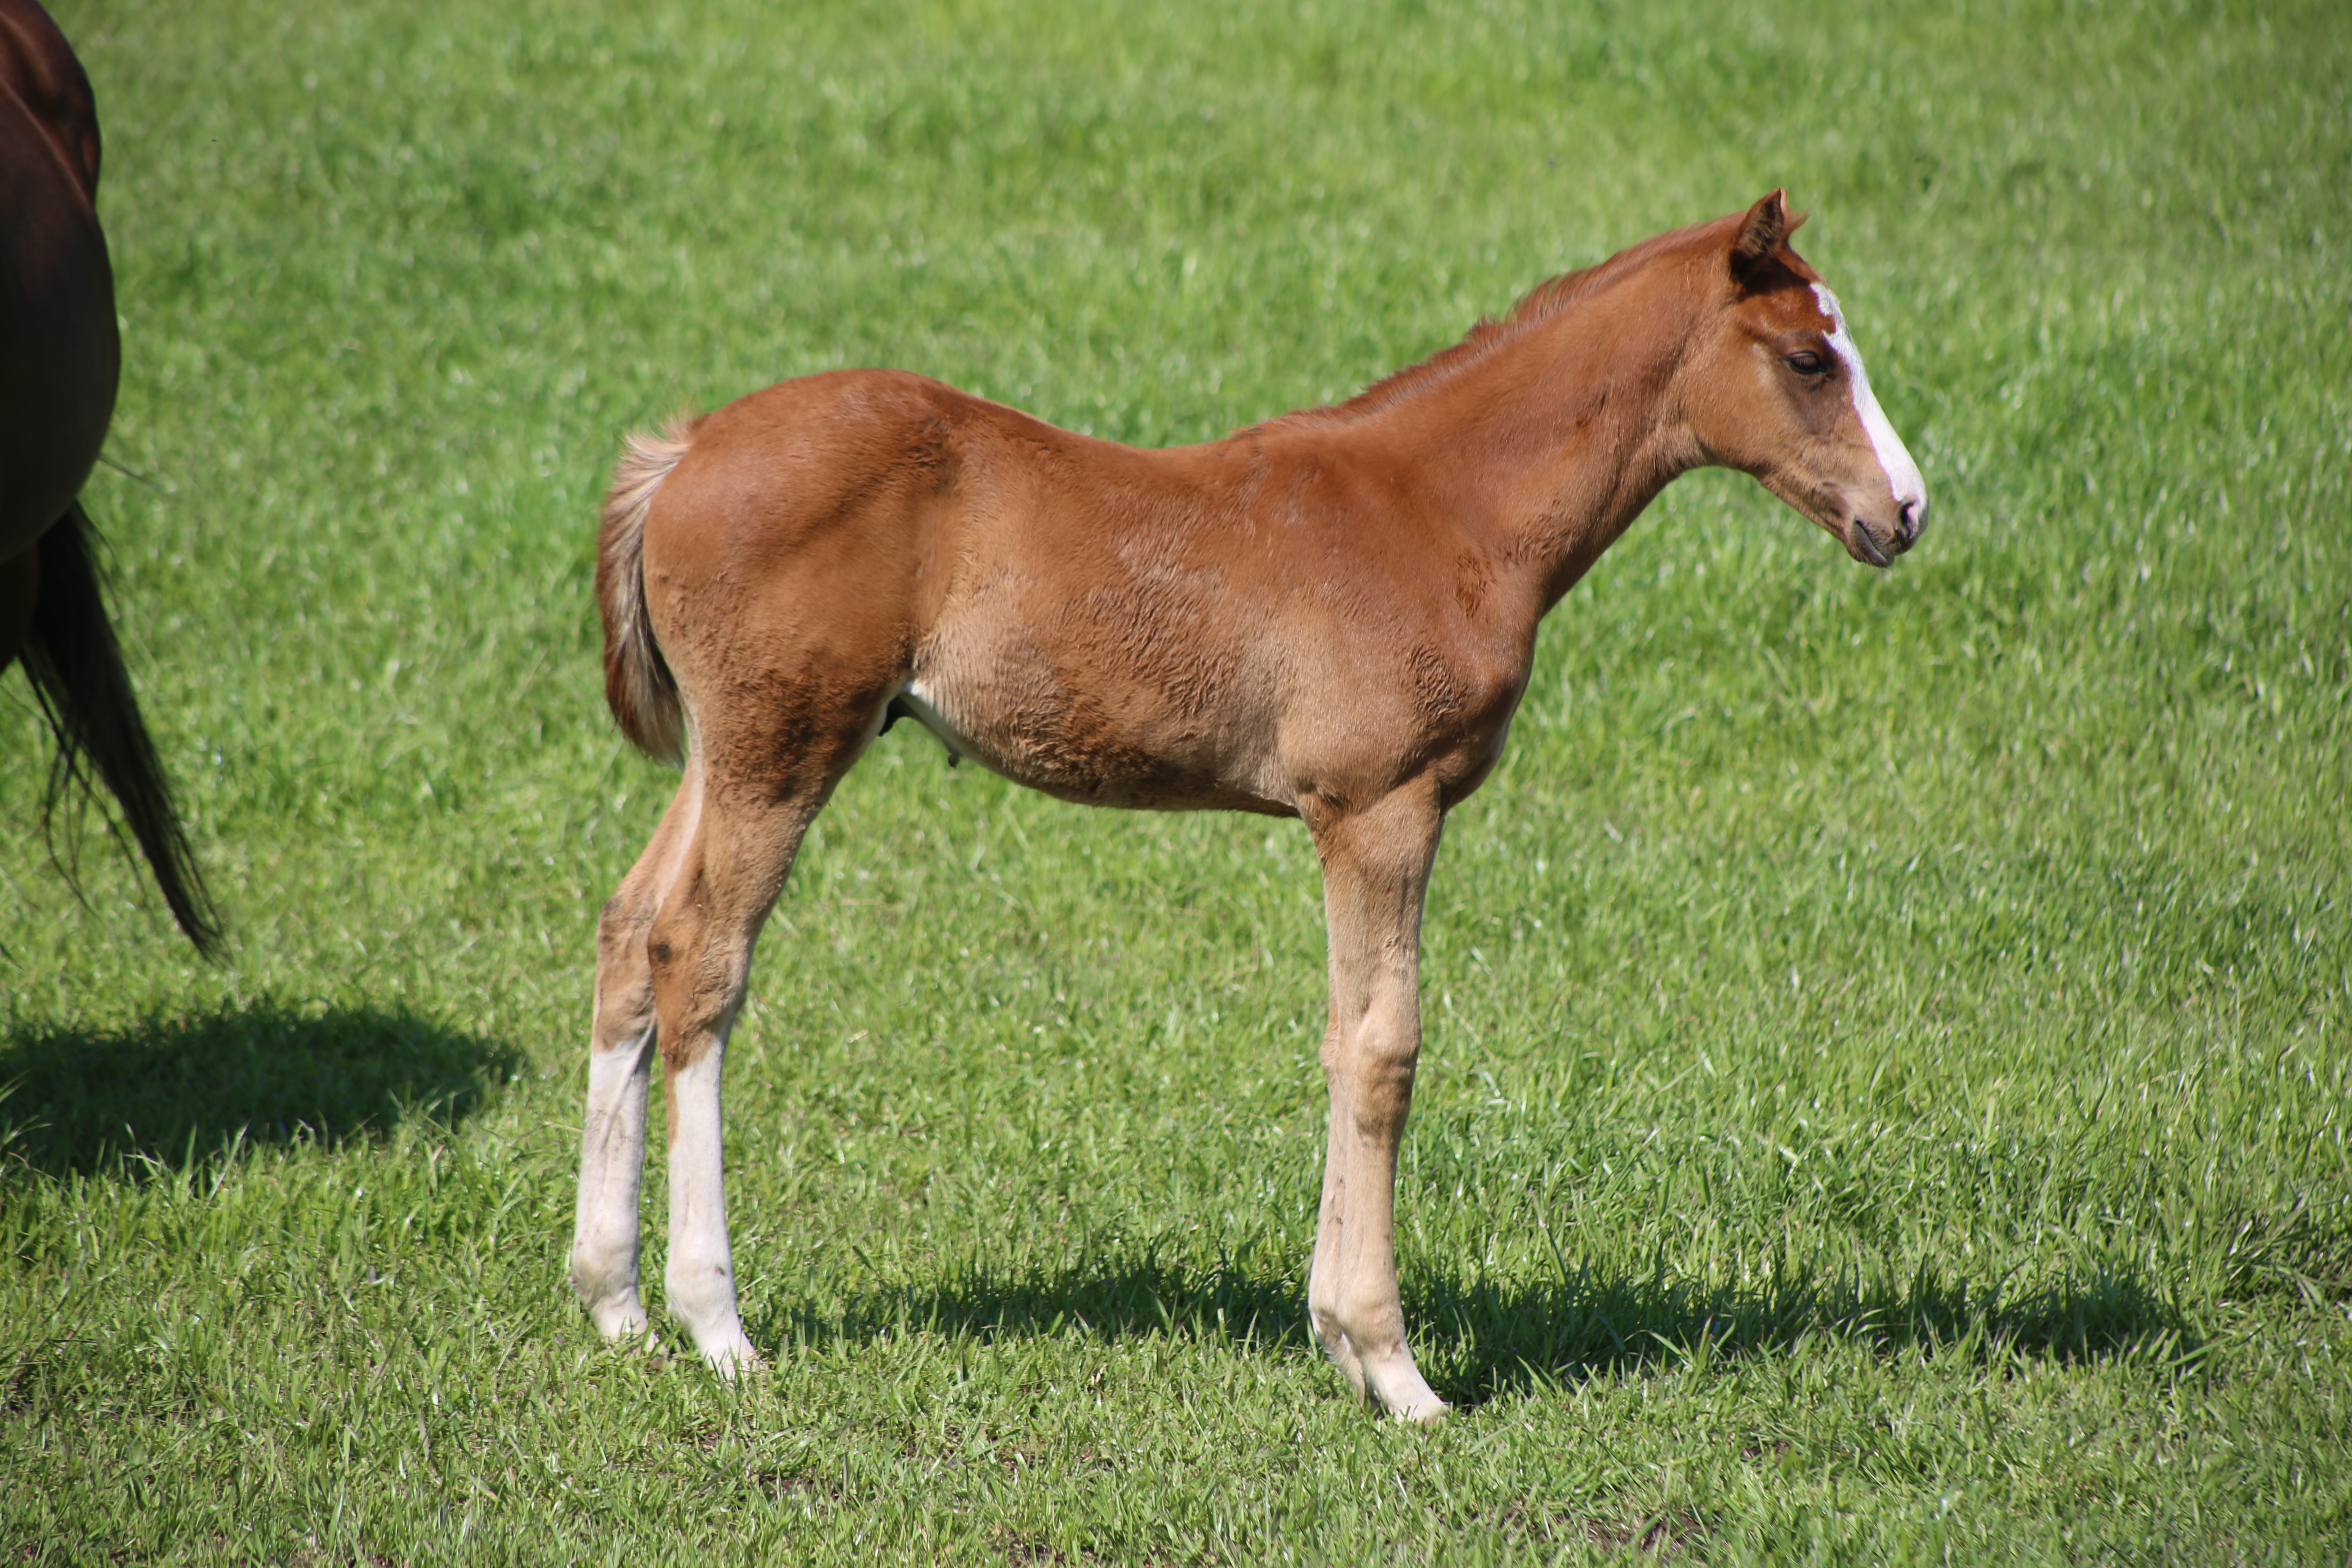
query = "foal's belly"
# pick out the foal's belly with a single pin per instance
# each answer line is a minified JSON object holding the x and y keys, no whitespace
{"x":1097,"y":743}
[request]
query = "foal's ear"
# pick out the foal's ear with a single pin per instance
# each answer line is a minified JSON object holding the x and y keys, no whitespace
{"x":1764,"y":230}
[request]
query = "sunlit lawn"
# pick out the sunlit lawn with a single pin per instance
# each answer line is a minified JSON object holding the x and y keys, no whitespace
{"x":1886,"y":1090}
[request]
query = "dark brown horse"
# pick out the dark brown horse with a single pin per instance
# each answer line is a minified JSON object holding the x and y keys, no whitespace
{"x":1330,"y":616}
{"x":58,"y":360}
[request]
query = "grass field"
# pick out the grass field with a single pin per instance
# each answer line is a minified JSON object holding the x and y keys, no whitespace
{"x":1886,"y":1096}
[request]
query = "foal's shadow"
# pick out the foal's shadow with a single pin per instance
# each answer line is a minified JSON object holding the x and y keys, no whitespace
{"x":1488,"y":1339}
{"x":1110,"y":1299}
{"x":175,"y":1092}
{"x":1478,"y":1340}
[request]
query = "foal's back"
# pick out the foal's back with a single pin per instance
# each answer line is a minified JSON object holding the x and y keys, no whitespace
{"x":1111,"y":625}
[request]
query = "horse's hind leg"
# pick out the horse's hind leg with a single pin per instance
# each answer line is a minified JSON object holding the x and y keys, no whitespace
{"x":764,"y":785}
{"x":620,"y":1056}
{"x":20,"y":587}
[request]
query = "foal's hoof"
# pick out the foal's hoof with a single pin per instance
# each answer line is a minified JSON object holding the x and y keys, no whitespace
{"x":1428,"y":1413}
{"x":732,"y":1360}
{"x":619,"y":1321}
{"x":1398,"y":1385}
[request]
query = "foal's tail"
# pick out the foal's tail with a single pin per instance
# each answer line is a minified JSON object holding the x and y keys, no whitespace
{"x":638,"y":685}
{"x":76,"y":668}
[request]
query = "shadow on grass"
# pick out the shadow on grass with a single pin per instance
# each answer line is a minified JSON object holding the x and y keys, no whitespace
{"x":184,"y":1091}
{"x":1486,"y":1340}
{"x":1478,"y":1340}
{"x":1110,"y":1299}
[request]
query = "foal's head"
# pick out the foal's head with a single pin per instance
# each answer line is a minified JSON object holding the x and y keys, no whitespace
{"x":1780,"y":393}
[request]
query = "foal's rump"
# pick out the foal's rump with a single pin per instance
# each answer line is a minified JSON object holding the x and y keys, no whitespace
{"x":747,"y":549}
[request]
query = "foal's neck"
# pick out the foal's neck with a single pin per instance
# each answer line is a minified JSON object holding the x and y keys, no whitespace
{"x":1546,"y":446}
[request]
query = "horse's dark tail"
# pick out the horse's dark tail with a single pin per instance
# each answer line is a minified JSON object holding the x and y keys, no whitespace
{"x":76,"y":668}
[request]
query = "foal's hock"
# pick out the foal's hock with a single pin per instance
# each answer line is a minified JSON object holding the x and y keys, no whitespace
{"x":1329,"y":616}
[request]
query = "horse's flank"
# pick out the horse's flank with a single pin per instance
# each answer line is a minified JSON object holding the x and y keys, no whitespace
{"x":58,"y":361}
{"x":59,"y":357}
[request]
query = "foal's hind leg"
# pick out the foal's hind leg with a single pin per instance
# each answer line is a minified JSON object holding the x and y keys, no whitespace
{"x":759,"y":799}
{"x":620,"y":1056}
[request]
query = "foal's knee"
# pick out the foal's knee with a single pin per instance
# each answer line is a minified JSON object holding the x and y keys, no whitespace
{"x":1379,"y":1072}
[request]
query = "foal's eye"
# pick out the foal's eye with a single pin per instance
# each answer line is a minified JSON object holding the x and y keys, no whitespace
{"x":1804,"y":361}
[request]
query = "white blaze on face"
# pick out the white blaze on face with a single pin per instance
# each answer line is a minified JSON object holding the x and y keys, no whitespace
{"x":1902,"y":474}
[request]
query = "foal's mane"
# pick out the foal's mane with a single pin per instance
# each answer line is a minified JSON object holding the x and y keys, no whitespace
{"x":1540,"y":303}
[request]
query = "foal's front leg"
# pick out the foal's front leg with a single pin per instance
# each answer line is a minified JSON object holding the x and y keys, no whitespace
{"x":1376,"y":864}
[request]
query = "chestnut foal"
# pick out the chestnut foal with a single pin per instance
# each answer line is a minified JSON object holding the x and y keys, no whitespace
{"x":1330,"y":616}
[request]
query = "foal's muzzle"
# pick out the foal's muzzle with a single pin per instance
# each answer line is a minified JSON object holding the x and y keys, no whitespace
{"x":1877,"y":547}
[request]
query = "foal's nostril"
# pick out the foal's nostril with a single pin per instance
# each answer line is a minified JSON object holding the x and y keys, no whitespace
{"x":1914,"y":518}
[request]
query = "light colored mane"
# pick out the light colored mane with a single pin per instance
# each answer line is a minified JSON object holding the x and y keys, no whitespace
{"x":1538,"y":304}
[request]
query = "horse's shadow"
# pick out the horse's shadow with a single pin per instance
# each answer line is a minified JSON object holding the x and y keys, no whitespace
{"x":169,"y":1094}
{"x":1479,"y":1338}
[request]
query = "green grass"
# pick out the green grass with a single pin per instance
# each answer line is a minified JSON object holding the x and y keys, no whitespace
{"x":1886,"y":1080}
